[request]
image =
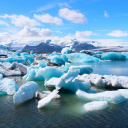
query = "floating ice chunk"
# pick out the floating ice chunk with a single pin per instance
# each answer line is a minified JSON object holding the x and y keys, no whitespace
{"x":36,"y":73}
{"x":114,"y":97}
{"x":20,"y":66}
{"x":17,"y":53}
{"x":67,"y":81}
{"x":79,"y":58}
{"x":39,"y":95}
{"x":124,"y":92}
{"x":105,"y":80}
{"x":1,"y":76}
{"x":113,"y":56}
{"x":55,"y":82}
{"x":6,"y":72}
{"x":66,"y":50}
{"x":27,"y":56}
{"x":47,"y":99}
{"x":42,"y":64}
{"x":18,"y":59}
{"x":84,"y":86}
{"x":26,"y":92}
{"x":83,"y":69}
{"x":70,"y":75}
{"x":8,"y":86}
{"x":96,"y":105}
{"x":58,"y":60}
{"x":65,"y":58}
{"x":48,"y":92}
{"x":65,"y":67}
{"x":49,"y":72}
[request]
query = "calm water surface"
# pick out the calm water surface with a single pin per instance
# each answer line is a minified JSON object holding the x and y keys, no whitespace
{"x":66,"y":112}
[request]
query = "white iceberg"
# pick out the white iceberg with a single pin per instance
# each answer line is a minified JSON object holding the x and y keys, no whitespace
{"x":114,"y":97}
{"x":105,"y":80}
{"x":26,"y":92}
{"x":8,"y":86}
{"x":47,"y":99}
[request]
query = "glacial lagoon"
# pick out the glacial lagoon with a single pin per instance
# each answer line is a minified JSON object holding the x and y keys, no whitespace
{"x":67,"y":111}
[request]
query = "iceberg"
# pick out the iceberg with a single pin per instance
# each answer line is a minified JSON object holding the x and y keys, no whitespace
{"x":1,"y":76}
{"x":113,"y":56}
{"x":84,"y":69}
{"x":95,"y":105}
{"x":8,"y":86}
{"x":67,"y":50}
{"x":67,"y":81}
{"x":108,"y":81}
{"x":58,"y":60}
{"x":18,"y":59}
{"x":14,"y":69}
{"x":42,"y":64}
{"x":114,"y":97}
{"x":36,"y":73}
{"x":79,"y":58}
{"x":47,"y":99}
{"x":26,"y":92}
{"x":65,"y":58}
{"x":27,"y":56}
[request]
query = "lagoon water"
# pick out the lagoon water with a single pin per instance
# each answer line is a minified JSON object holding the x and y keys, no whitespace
{"x":67,"y":112}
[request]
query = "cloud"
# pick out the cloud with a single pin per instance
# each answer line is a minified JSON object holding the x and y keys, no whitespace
{"x":3,"y":23}
{"x":64,"y":5}
{"x":84,"y":33}
{"x":34,"y":32}
{"x":21,"y":20}
{"x":72,"y":15}
{"x":46,"y":7}
{"x":106,"y":14}
{"x":117,"y":33}
{"x":46,"y":18}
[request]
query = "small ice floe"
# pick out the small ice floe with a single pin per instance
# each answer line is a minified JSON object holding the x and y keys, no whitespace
{"x":79,"y":58}
{"x":26,"y":92}
{"x":95,"y":105}
{"x":43,"y":102}
{"x":37,"y":73}
{"x":67,"y":50}
{"x":114,"y":97}
{"x":105,"y":80}
{"x":113,"y":56}
{"x":84,"y":69}
{"x":13,"y":69}
{"x":39,"y":95}
{"x":8,"y":86}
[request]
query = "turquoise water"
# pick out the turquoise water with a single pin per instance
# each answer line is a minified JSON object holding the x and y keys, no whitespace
{"x":68,"y":111}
